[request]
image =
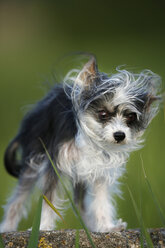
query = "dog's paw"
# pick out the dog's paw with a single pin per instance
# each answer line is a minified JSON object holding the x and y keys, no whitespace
{"x":47,"y":227}
{"x":119,"y":226}
{"x":6,"y":228}
{"x":109,"y":227}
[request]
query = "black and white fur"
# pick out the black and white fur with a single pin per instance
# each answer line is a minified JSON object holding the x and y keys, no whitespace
{"x":89,"y":125}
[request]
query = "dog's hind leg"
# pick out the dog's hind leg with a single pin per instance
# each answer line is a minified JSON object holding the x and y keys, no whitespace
{"x":15,"y":207}
{"x":49,"y":184}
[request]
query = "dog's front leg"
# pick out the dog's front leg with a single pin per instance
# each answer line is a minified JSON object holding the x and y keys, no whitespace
{"x":99,"y":211}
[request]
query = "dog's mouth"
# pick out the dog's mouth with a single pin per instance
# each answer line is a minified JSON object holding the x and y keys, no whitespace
{"x":120,"y":142}
{"x":113,"y":144}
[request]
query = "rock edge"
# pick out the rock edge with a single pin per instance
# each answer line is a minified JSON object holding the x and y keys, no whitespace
{"x":66,"y":238}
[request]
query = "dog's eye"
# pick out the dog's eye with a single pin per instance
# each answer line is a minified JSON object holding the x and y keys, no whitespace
{"x":103,"y":115}
{"x":131,"y":117}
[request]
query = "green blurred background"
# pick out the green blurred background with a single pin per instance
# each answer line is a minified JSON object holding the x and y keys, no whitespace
{"x":35,"y":35}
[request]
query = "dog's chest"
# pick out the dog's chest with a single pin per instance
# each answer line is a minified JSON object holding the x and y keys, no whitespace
{"x":86,"y":163}
{"x":94,"y":164}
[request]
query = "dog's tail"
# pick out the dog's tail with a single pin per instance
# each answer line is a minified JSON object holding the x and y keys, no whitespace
{"x":11,"y":161}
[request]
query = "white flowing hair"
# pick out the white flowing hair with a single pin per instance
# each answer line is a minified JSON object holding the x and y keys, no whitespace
{"x":134,"y":85}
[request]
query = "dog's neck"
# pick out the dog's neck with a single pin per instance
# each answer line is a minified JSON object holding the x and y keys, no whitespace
{"x":96,"y":161}
{"x":85,"y":160}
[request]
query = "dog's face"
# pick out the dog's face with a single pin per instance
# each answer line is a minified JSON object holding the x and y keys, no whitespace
{"x":116,"y":110}
{"x":114,"y":123}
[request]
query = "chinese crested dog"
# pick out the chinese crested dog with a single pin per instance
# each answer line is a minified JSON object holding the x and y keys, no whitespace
{"x":89,"y":125}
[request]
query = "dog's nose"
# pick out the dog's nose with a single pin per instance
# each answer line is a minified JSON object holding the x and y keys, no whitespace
{"x":119,"y":136}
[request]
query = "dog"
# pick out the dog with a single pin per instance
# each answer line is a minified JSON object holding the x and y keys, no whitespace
{"x":89,"y":124}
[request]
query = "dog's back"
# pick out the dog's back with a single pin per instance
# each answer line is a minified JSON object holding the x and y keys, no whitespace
{"x":52,"y":120}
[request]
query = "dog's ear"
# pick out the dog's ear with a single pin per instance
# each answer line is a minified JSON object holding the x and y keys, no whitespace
{"x":151,"y":99}
{"x":88,"y":73}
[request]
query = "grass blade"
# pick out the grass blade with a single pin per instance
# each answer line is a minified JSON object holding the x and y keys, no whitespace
{"x":1,"y":242}
{"x":140,"y":197}
{"x":139,"y":217}
{"x":77,"y":239}
{"x":33,"y":241}
{"x":68,"y":195}
{"x":159,"y":210}
{"x":54,"y":209}
{"x":141,"y":240}
{"x":157,"y":205}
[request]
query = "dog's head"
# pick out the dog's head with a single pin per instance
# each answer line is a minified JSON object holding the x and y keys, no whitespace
{"x":114,"y":111}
